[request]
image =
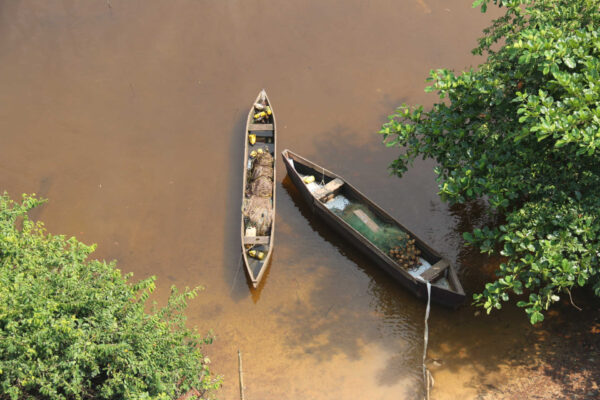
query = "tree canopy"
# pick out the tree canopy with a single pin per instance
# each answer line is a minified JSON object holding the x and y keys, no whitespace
{"x":522,"y":132}
{"x":75,"y":328}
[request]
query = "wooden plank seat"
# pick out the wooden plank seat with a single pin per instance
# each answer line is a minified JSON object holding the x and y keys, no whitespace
{"x":260,"y":127}
{"x":257,"y":239}
{"x":262,"y":136}
{"x":436,"y":270}
{"x":329,"y":190}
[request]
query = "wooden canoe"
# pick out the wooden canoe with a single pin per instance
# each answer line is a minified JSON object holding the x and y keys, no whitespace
{"x":446,"y":289}
{"x":261,"y":243}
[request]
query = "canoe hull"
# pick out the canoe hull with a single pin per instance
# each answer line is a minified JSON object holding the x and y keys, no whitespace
{"x":440,"y":295}
{"x":267,"y":139}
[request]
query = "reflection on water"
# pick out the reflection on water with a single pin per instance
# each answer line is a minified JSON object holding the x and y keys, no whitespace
{"x":129,"y":116}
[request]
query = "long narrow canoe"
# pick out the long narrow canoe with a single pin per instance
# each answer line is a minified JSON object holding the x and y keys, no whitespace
{"x":259,"y":135}
{"x":330,"y":194}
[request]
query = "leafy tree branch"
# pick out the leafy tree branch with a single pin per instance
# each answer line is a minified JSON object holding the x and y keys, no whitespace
{"x":75,"y":328}
{"x":521,"y":132}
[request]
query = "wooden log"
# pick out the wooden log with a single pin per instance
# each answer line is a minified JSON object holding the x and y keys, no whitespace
{"x":331,"y":188}
{"x":436,"y":270}
{"x":334,"y":185}
{"x":260,"y":127}
{"x":257,"y":239}
{"x":366,"y":220}
{"x":241,"y":372}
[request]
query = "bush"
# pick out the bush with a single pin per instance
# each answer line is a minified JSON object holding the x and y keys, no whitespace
{"x":521,"y":132}
{"x":75,"y":328}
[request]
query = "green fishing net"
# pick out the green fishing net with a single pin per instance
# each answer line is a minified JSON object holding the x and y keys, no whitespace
{"x":388,"y":238}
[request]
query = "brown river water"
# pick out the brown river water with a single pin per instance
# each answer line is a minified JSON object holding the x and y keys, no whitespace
{"x":129,"y":116}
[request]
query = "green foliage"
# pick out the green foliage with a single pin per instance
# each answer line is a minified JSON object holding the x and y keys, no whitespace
{"x":74,"y":328}
{"x":522,"y":132}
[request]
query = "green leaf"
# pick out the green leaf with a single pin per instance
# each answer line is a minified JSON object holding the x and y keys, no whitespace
{"x":546,"y":69}
{"x":536,"y":317}
{"x":569,"y":62}
{"x":523,"y":59}
{"x":525,"y":122}
{"x":77,"y":327}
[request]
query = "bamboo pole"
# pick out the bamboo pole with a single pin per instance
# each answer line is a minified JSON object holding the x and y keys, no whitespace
{"x":241,"y":371}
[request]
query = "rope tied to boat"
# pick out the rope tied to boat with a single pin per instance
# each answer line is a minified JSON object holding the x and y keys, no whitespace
{"x":427,"y":378}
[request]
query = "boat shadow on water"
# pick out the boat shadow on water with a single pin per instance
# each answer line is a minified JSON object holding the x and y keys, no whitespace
{"x":372,"y":310}
{"x":476,"y":352}
{"x":234,"y":274}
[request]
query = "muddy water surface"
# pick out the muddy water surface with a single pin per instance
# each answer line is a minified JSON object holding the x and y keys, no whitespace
{"x":128,"y":116}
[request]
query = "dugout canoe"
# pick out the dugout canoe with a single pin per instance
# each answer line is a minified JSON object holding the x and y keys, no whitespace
{"x":330,"y":191}
{"x":264,"y":131}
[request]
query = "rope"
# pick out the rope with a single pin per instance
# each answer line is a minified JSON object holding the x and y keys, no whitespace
{"x":236,"y":274}
{"x":427,"y":378}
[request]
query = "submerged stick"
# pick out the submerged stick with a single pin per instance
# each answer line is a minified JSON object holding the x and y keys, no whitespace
{"x":241,"y":376}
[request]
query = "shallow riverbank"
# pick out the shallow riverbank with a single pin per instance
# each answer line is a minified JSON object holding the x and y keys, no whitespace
{"x":566,"y":363}
{"x":559,"y":359}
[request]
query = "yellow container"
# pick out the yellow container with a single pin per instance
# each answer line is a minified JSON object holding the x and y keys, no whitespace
{"x":260,"y":115}
{"x":268,"y":110}
{"x":309,"y":179}
{"x":252,"y":138}
{"x":256,"y":254}
{"x":253,"y":153}
{"x":260,"y":151}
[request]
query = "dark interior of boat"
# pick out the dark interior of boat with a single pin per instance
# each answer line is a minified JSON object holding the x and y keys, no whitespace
{"x":254,"y":264}
{"x":264,"y":138}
